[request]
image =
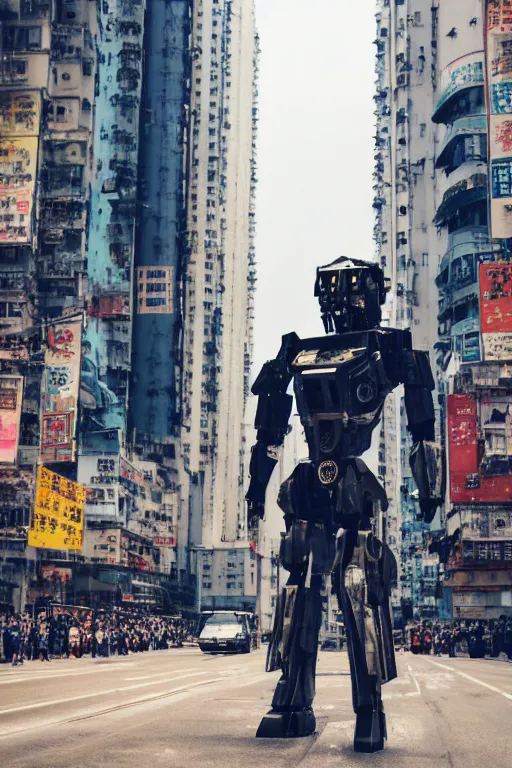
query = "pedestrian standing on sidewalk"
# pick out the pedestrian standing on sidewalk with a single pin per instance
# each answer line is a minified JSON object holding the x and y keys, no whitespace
{"x":43,"y":646}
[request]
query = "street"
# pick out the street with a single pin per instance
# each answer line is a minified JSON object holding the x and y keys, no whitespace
{"x":181,"y":708}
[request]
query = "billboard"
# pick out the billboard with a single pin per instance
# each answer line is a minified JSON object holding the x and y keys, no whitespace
{"x":11,"y":394}
{"x":480,"y":446}
{"x":59,"y":390}
{"x":464,"y":72}
{"x":498,"y":49}
{"x":487,"y":552}
{"x":20,"y":116}
{"x":165,"y":541}
{"x":496,"y":310}
{"x":486,"y":521}
{"x":58,"y":519}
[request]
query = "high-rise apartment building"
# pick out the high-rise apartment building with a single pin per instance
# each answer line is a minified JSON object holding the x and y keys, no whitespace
{"x":127,"y":133}
{"x":473,"y":214}
{"x":407,"y":250}
{"x":443,"y":107}
{"x":218,"y":285}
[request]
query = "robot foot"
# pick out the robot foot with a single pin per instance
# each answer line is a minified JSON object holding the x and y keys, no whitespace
{"x":287,"y":725}
{"x":370,"y":730}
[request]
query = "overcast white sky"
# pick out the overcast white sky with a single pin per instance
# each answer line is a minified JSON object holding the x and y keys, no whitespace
{"x":315,"y":155}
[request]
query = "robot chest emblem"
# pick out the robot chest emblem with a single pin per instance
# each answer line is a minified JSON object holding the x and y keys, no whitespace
{"x":328,"y":472}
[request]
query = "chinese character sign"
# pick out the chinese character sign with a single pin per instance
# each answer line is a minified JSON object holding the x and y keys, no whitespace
{"x":496,"y":310}
{"x":60,"y":390}
{"x":19,"y":139}
{"x":58,"y":520}
{"x":11,"y":392}
{"x":498,"y":41}
{"x":480,"y":444}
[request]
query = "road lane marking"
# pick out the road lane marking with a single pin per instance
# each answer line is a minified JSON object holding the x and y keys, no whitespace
{"x":176,"y":693}
{"x":417,"y":692}
{"x":473,"y":679}
{"x":54,"y":702}
{"x":159,"y":674}
{"x":30,"y":677}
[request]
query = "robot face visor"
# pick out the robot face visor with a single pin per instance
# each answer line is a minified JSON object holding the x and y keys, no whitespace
{"x":343,"y":290}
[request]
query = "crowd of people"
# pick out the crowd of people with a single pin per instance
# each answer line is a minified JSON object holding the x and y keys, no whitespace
{"x":27,"y":638}
{"x":478,"y":638}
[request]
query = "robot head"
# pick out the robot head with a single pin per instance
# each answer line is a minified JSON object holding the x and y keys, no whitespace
{"x":350,"y":293}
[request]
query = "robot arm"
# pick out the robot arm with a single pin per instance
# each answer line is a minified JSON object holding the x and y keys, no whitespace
{"x":426,"y":458}
{"x":272,"y":415}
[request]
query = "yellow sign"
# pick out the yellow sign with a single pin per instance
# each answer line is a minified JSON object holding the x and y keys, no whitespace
{"x":58,"y":520}
{"x":20,"y":117}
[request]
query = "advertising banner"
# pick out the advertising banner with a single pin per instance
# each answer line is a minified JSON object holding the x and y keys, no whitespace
{"x":487,"y":552}
{"x":480,"y":445}
{"x":11,"y":394}
{"x":496,"y":310}
{"x":20,"y":116}
{"x":498,"y":50}
{"x":60,"y":388}
{"x":165,"y":541}
{"x":58,"y":520}
{"x":486,"y":521}
{"x":462,"y":73}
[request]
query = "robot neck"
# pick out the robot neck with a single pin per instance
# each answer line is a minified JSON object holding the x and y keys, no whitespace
{"x":343,"y":323}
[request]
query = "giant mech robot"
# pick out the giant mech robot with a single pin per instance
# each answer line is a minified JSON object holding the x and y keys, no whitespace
{"x":341,"y":381}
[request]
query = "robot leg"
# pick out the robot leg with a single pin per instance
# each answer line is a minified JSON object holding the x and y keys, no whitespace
{"x":294,"y":644}
{"x":361,"y":575}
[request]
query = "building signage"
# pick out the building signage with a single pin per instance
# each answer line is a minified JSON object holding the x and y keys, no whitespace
{"x":461,"y":73}
{"x":480,"y":445}
{"x":11,"y":394}
{"x":58,"y":519}
{"x":487,"y":552}
{"x":164,"y":541}
{"x":59,"y":392}
{"x":20,"y":115}
{"x":496,"y":310}
{"x":498,"y":50}
{"x":489,"y":521}
{"x":128,"y":472}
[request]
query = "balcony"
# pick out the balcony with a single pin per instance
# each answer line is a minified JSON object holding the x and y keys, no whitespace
{"x":461,"y":88}
{"x":465,"y":194}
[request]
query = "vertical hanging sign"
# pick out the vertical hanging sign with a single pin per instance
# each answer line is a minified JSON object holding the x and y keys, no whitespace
{"x":60,"y":388}
{"x":11,"y":393}
{"x":498,"y":54}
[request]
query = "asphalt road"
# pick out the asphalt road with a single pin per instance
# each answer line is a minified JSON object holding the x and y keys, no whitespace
{"x":180,"y":708}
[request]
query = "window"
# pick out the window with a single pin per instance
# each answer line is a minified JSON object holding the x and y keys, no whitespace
{"x":155,"y":302}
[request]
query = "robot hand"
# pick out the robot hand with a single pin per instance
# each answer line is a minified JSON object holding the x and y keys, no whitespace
{"x":427,"y":463}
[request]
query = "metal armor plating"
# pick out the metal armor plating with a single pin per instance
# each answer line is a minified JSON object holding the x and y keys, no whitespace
{"x":340,"y":382}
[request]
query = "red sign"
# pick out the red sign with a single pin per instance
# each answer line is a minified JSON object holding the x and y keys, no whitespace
{"x":110,"y":306}
{"x":477,"y":472}
{"x":128,"y":472}
{"x":127,"y":598}
{"x":164,"y":541}
{"x":496,"y":297}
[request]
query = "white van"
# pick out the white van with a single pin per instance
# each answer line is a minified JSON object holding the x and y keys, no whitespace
{"x":227,"y":632}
